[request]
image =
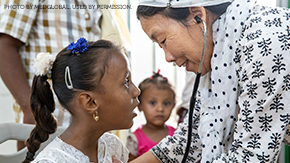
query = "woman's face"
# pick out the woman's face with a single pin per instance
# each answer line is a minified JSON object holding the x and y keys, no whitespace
{"x":181,"y":44}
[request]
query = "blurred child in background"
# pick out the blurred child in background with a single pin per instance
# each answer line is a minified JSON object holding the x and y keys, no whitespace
{"x":157,"y":99}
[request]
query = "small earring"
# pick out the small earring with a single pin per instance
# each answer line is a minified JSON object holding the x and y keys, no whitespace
{"x":96,"y":116}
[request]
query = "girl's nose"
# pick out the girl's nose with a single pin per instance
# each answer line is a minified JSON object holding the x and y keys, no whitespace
{"x":160,"y":107}
{"x":136,"y":91}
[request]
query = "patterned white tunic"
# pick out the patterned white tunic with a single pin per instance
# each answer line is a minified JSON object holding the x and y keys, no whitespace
{"x":243,"y":107}
{"x":58,"y":151}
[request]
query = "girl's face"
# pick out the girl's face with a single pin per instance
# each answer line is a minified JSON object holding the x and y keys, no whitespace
{"x":157,"y":105}
{"x":181,"y":44}
{"x":116,"y":105}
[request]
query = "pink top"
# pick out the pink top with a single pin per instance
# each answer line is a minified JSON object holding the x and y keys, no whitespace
{"x":144,"y":142}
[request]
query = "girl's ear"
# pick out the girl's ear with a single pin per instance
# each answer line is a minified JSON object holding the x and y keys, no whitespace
{"x":87,"y":103}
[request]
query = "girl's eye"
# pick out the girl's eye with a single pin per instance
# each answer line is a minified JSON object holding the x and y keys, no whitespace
{"x":152,"y":102}
{"x":166,"y":103}
{"x":126,"y":83}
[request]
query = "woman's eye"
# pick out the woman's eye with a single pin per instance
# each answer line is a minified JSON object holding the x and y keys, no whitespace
{"x":126,"y":83}
{"x":163,"y":41}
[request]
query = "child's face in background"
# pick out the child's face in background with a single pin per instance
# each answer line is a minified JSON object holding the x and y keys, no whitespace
{"x":120,"y":97}
{"x":157,"y":105}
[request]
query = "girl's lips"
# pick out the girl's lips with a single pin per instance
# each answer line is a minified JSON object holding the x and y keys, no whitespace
{"x":159,"y":116}
{"x":134,"y":114}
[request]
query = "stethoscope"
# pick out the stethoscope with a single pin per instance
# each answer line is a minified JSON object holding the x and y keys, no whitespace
{"x":193,"y":96}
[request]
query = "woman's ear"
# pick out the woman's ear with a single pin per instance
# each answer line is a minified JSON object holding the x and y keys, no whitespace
{"x":87,"y":103}
{"x":197,"y":13}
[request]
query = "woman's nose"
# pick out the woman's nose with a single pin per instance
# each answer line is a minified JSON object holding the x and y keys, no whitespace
{"x":168,"y":56}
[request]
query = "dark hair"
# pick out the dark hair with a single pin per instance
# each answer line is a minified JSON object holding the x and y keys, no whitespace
{"x":158,"y":81}
{"x":86,"y":71}
{"x":178,"y":14}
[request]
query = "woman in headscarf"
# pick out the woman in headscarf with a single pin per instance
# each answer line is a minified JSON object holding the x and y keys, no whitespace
{"x":242,"y":110}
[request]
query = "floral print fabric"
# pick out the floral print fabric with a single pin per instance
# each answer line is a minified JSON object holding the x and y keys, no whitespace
{"x":242,"y":112}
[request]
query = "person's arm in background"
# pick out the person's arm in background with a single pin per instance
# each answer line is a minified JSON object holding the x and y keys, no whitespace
{"x":13,"y":74}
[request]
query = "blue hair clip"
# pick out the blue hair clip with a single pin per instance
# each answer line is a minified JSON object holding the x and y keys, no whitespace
{"x":79,"y":47}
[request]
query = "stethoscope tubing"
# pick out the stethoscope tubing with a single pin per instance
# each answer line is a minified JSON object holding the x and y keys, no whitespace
{"x":193,"y":98}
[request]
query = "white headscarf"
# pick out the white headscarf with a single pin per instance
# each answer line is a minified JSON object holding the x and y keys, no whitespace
{"x":181,"y":3}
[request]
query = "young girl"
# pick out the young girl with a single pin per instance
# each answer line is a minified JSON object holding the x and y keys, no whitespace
{"x":93,"y":82}
{"x":157,"y":99}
